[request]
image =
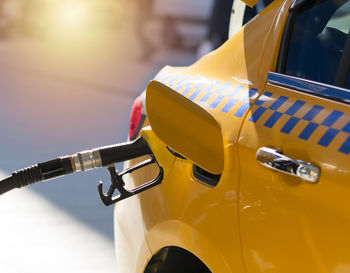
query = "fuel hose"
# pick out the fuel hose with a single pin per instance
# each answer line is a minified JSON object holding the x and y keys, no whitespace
{"x":79,"y":162}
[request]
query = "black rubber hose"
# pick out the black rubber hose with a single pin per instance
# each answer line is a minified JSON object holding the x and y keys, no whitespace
{"x":21,"y":178}
{"x":27,"y":176}
{"x":7,"y":184}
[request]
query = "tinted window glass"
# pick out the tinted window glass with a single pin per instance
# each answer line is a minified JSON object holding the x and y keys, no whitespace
{"x":317,"y":40}
{"x":347,"y":83}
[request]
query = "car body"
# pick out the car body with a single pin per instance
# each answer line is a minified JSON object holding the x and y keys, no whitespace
{"x":280,"y":83}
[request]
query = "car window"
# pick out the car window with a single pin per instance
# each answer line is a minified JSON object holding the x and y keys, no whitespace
{"x":317,"y":40}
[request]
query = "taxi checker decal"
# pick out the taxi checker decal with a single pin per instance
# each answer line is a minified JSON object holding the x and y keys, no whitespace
{"x":208,"y":88}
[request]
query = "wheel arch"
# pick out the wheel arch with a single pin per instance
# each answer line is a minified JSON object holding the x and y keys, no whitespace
{"x":180,"y":235}
{"x":173,"y":259}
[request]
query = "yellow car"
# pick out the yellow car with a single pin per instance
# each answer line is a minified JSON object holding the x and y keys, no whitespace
{"x":254,"y":141}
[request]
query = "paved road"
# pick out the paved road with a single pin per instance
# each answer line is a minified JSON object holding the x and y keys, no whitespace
{"x":55,"y":103}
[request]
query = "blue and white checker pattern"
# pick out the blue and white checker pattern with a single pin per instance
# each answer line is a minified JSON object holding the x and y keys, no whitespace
{"x":225,"y":90}
{"x":309,"y":117}
{"x":205,"y":89}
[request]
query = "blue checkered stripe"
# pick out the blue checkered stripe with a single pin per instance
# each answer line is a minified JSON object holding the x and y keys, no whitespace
{"x":184,"y":84}
{"x":309,"y":117}
{"x":203,"y":89}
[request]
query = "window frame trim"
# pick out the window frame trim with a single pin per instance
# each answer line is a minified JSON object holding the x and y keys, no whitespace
{"x":287,"y":34}
{"x":323,"y":90}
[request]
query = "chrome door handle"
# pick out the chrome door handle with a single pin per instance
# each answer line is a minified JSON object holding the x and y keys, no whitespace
{"x":272,"y":159}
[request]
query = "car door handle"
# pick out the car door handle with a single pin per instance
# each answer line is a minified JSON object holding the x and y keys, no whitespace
{"x":273,"y":159}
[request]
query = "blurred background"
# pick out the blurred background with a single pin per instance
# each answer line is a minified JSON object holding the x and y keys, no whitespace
{"x":69,"y":72}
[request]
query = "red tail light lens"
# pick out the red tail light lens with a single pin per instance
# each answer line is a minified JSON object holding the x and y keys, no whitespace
{"x":137,"y":117}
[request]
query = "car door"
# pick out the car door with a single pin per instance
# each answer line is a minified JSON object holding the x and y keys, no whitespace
{"x":290,"y":220}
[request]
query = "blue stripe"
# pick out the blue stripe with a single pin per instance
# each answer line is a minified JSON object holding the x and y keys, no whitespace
{"x":252,"y":91}
{"x":290,"y":124}
{"x":174,"y":79}
{"x":205,"y":97}
{"x":333,"y":117}
{"x":217,"y":100}
{"x":222,"y":88}
{"x":195,"y":94}
{"x":308,"y":131}
{"x":314,"y":111}
{"x":273,"y":119}
{"x":308,"y":86}
{"x":170,"y":76}
{"x":183,"y":79}
{"x":327,"y":138}
{"x":263,"y":98}
{"x":189,"y":85}
{"x":247,"y":95}
{"x":235,"y":90}
{"x":186,"y":84}
{"x":345,"y":148}
{"x":295,"y":107}
{"x":211,"y":85}
{"x":228,"y":105}
{"x":186,"y":90}
{"x":278,"y":103}
{"x":179,"y":84}
{"x":177,"y":88}
{"x":257,"y":114}
{"x":189,"y":88}
{"x":240,"y":112}
{"x":346,"y":128}
{"x":227,"y":90}
{"x":208,"y":88}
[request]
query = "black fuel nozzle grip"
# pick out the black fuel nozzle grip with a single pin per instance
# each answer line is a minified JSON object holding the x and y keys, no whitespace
{"x":123,"y":151}
{"x":117,"y":183}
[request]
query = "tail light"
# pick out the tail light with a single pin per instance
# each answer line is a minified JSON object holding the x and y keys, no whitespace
{"x":137,"y":117}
